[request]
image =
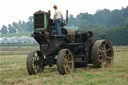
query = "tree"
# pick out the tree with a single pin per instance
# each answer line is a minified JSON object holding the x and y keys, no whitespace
{"x":72,"y":21}
{"x":30,"y":24}
{"x":83,"y":24}
{"x":11,"y":29}
{"x":4,"y":30}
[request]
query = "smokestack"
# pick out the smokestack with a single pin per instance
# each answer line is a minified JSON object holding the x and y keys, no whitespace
{"x":66,"y":16}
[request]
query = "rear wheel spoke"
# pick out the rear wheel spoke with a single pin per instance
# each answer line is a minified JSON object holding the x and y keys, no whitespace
{"x":108,"y":49}
{"x":106,"y":64}
{"x":104,"y":48}
{"x":108,"y":57}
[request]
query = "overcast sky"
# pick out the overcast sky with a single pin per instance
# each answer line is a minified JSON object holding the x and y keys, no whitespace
{"x":15,"y":10}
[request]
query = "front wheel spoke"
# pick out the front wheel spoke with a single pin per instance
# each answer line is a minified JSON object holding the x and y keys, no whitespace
{"x":35,"y":69}
{"x":38,"y":68}
{"x":36,"y":63}
{"x":33,"y":61}
{"x":33,"y":66}
{"x":35,"y":57}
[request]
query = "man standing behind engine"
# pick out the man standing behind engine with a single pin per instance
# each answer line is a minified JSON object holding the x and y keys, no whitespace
{"x":57,"y":19}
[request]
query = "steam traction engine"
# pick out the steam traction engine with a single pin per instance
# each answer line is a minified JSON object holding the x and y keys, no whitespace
{"x":71,"y":49}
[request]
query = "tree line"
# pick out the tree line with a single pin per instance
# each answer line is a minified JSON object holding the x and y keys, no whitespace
{"x":20,"y":26}
{"x":109,"y":24}
{"x":112,"y":25}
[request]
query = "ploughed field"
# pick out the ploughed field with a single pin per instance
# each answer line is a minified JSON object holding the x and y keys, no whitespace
{"x":13,"y":70}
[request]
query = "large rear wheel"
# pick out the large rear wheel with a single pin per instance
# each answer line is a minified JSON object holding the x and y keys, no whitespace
{"x":34,"y":62}
{"x":102,"y":54}
{"x":65,"y":61}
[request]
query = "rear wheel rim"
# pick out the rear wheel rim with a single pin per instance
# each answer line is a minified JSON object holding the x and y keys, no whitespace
{"x":105,"y":54}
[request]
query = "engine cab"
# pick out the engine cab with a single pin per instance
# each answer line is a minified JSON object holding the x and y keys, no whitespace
{"x":43,"y":23}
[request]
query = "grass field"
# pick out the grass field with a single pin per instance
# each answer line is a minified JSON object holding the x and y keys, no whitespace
{"x":13,"y":70}
{"x":16,"y":34}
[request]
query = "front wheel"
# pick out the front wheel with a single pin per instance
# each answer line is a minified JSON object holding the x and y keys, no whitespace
{"x":35,"y":62}
{"x":65,"y":62}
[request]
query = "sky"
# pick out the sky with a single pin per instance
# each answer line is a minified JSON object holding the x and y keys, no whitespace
{"x":15,"y":10}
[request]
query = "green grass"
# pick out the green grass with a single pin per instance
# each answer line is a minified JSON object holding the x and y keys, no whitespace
{"x":13,"y":70}
{"x":16,"y":34}
{"x":6,"y":45}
